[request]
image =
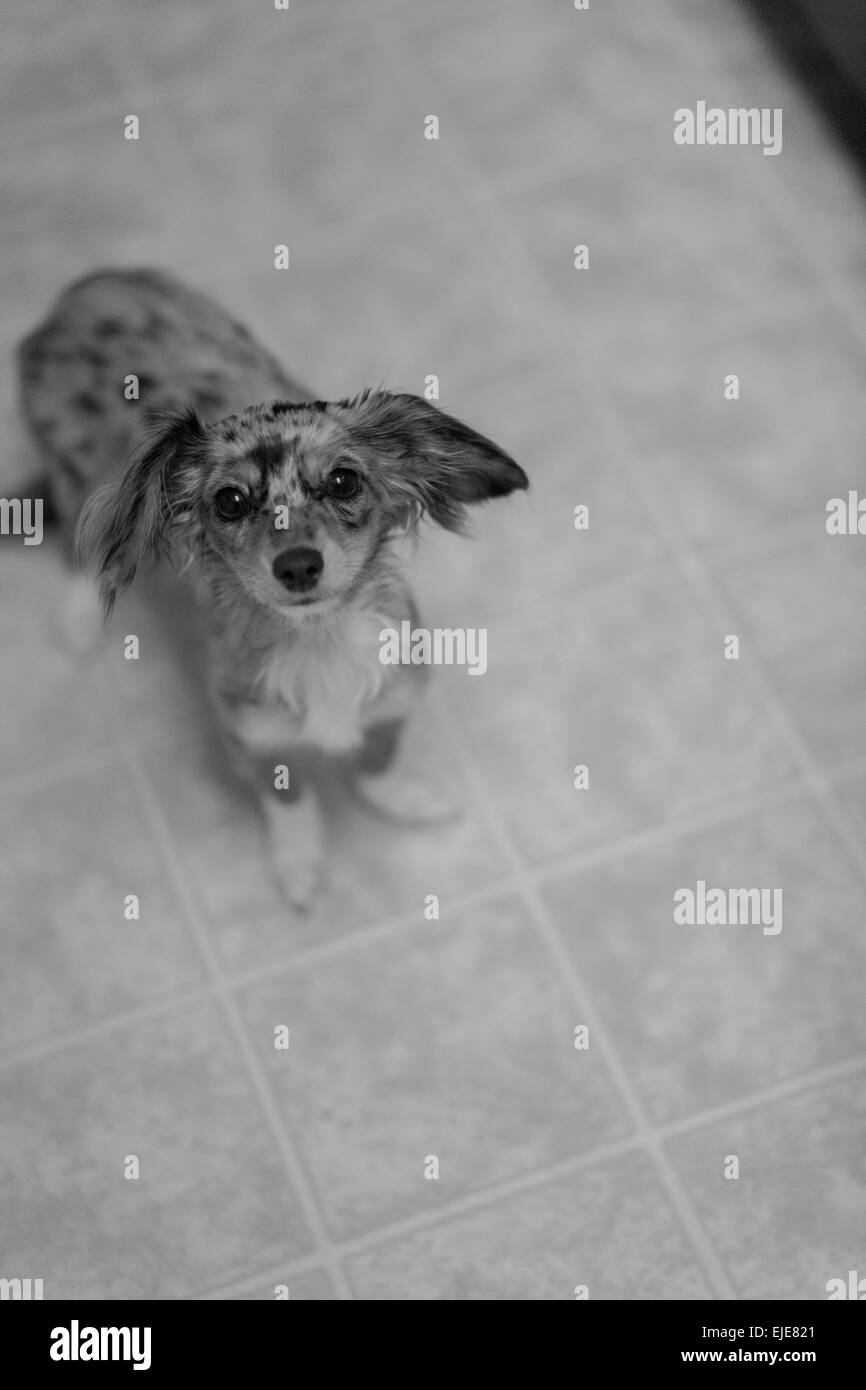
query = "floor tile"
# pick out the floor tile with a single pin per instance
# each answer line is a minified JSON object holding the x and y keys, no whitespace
{"x":171,"y":1093}
{"x":800,"y":609}
{"x":677,"y":250}
{"x":107,"y":194}
{"x":53,"y":58}
{"x":794,"y":1219}
{"x":76,"y":847}
{"x":608,"y":1228}
{"x":353,"y":308}
{"x":704,"y":1015}
{"x":453,"y":1040}
{"x":174,"y":43}
{"x":605,"y":73}
{"x":631,"y":683}
{"x":54,"y":708}
{"x":731,"y":467}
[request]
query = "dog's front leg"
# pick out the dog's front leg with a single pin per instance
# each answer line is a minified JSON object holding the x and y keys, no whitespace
{"x":295,"y":841}
{"x":286,"y":794}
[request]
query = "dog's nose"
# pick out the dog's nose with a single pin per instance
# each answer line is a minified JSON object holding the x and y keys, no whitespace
{"x":299,"y":568}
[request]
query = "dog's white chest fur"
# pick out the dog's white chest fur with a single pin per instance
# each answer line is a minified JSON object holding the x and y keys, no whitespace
{"x":317,"y":688}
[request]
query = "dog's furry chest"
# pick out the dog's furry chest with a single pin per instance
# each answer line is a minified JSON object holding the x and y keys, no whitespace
{"x":318,"y":689}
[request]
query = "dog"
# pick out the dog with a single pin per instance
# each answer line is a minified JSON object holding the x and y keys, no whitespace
{"x":169,"y":433}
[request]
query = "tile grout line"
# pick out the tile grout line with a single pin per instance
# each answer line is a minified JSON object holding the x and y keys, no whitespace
{"x":121,"y":57}
{"x":346,"y":945}
{"x":782,"y":536}
{"x":309,"y":958}
{"x":692,"y":570}
{"x":223,"y":987}
{"x":501,"y":1190}
{"x":573,"y":862}
{"x":819,"y":784}
{"x":688,"y":562}
{"x":711,"y":603}
{"x":786,"y":218}
{"x":290,"y":1159}
{"x":476,"y":1200}
{"x":479,"y":181}
{"x":580,"y":862}
{"x":570,"y":976}
{"x":533,"y":290}
{"x":821,"y":1078}
{"x":473,"y":177}
{"x":170,"y":89}
{"x":715,"y":558}
{"x":692,"y":821}
{"x":125,"y":62}
{"x":100,"y":759}
{"x":40,"y":1049}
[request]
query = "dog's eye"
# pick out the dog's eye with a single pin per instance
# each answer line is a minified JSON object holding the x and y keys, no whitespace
{"x":231,"y":504}
{"x":343,"y":483}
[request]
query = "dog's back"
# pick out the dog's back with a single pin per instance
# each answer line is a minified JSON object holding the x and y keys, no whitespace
{"x":76,"y":368}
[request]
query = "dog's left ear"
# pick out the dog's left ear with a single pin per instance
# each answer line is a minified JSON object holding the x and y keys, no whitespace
{"x":138,"y":516}
{"x":431,"y":462}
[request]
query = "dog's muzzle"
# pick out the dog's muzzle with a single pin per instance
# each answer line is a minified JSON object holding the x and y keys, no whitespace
{"x":299,"y":568}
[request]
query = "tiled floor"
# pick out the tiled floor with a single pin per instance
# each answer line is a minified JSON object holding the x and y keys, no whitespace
{"x":558,"y":1166}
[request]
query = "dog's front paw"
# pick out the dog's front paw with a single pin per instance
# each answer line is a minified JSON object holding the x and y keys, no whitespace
{"x":410,"y":799}
{"x":297,"y":850}
{"x":299,"y":879}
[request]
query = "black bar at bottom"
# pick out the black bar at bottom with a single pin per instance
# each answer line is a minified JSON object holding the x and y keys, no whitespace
{"x":164,"y":1339}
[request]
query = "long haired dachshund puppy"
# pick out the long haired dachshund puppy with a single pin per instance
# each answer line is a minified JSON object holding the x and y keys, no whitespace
{"x":279,"y":510}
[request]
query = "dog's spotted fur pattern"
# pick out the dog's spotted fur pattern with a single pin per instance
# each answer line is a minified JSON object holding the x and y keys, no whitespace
{"x":139,"y":480}
{"x":182,"y":347}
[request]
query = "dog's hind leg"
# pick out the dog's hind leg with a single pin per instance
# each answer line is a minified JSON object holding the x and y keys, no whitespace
{"x":386,"y":783}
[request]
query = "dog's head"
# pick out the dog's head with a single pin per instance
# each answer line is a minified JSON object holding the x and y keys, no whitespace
{"x":294,"y":502}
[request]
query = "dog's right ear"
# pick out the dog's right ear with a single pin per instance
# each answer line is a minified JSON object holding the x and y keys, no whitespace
{"x":137,"y":518}
{"x":430,"y":462}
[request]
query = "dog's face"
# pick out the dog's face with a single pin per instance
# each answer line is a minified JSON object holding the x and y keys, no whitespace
{"x":293,"y":503}
{"x":289,"y":507}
